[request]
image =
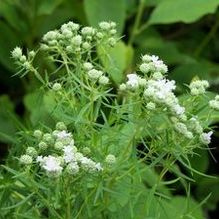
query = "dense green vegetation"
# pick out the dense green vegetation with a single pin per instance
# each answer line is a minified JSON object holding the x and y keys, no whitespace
{"x":183,"y":33}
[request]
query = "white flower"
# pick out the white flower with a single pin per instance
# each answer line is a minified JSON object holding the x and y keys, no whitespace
{"x":98,"y":167}
{"x":104,"y":25}
{"x":214,"y":104}
{"x":76,"y":40}
{"x":103,"y":80}
{"x":177,"y":109}
{"x":160,"y":90}
{"x":88,"y":31}
{"x":52,"y":165}
{"x":16,"y":53}
{"x":133,"y":81}
{"x":70,"y":26}
{"x":87,"y":66}
{"x":62,"y":134}
{"x":198,"y":87}
{"x":205,"y":138}
{"x":94,"y":74}
{"x":153,"y":64}
{"x":39,"y":159}
{"x":67,"y":33}
{"x":69,"y":153}
{"x":51,"y":37}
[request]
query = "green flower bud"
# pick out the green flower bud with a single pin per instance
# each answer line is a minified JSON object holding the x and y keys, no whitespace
{"x":57,"y":87}
{"x":110,"y":159}
{"x":58,"y":145}
{"x":72,"y":168}
{"x":150,"y":106}
{"x":48,"y":138}
{"x":31,"y":151}
{"x":26,"y":159}
{"x":86,"y":150}
{"x":61,"y":126}
{"x":103,"y":80}
{"x":38,"y":134}
{"x":43,"y":146}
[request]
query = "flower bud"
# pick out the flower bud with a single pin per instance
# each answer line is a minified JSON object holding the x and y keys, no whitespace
{"x":57,"y":87}
{"x":26,"y":159}
{"x":110,"y":159}
{"x":31,"y":151}
{"x":61,"y":126}
{"x":38,"y":134}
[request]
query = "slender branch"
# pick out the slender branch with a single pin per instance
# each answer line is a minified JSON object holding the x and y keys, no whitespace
{"x":137,"y":22}
{"x":207,"y":39}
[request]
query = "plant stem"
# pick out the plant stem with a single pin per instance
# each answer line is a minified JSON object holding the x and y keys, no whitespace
{"x":137,"y":22}
{"x":207,"y":39}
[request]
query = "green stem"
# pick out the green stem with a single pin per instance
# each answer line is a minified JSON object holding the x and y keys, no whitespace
{"x":207,"y":39}
{"x":137,"y":22}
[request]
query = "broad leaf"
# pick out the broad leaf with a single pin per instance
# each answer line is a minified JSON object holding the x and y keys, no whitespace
{"x":104,"y":10}
{"x":187,"y":11}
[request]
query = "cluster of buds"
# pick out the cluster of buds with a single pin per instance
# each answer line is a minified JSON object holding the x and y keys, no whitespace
{"x":198,"y":87}
{"x":152,"y":64}
{"x":214,"y":104}
{"x":94,"y":74}
{"x":134,"y":81}
{"x":158,"y":91}
{"x":74,"y":39}
{"x":56,"y":153}
{"x":22,"y":60}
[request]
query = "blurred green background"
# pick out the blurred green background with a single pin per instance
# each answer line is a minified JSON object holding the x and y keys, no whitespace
{"x":184,"y":33}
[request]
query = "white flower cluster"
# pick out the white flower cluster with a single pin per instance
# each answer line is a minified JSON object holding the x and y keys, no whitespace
{"x":21,"y":59}
{"x":152,"y":64}
{"x":75,"y":40}
{"x":134,"y":81}
{"x":95,"y":75}
{"x":65,"y":156}
{"x":205,"y":138}
{"x":159,"y":91}
{"x":214,"y":104}
{"x":198,"y":87}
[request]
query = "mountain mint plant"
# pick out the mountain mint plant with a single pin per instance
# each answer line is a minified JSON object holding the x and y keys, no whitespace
{"x":103,"y":149}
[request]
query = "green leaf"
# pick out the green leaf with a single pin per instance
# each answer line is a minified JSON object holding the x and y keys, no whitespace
{"x":205,"y":114}
{"x":116,"y":60}
{"x":184,"y":73}
{"x":7,"y":126}
{"x":208,"y":186}
{"x":34,"y":102}
{"x":8,"y":40}
{"x":200,"y":161}
{"x":121,"y":194}
{"x":104,"y":10}
{"x":48,"y":6}
{"x":150,"y":41}
{"x":10,"y":13}
{"x":187,"y":11}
